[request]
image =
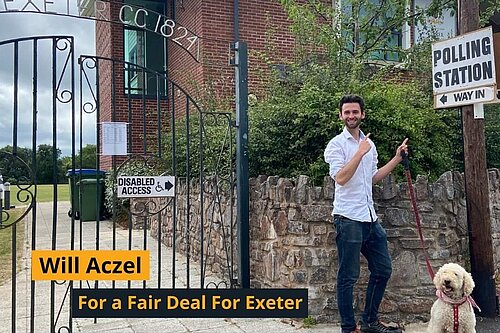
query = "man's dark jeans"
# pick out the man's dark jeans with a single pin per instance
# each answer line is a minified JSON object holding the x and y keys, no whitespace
{"x":370,"y":239}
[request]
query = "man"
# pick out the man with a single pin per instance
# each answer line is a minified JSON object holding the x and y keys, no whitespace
{"x":352,"y":157}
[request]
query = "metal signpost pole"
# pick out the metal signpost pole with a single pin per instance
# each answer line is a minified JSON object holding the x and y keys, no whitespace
{"x":242,"y":173}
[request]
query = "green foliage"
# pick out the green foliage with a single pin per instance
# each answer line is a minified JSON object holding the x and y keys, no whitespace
{"x":16,"y":169}
{"x":309,"y":322}
{"x":84,"y":159}
{"x":87,"y":156}
{"x":488,"y":9}
{"x":48,"y":159}
{"x":357,"y":32}
{"x":289,"y":132}
{"x":492,"y":128}
{"x":346,"y":50}
{"x":396,"y":111}
{"x":13,"y":170}
{"x":183,"y":149}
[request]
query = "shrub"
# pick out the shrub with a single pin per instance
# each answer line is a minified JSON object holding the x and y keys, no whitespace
{"x":290,"y":130}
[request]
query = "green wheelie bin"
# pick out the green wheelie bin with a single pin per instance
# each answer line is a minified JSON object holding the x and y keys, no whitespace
{"x":86,"y":187}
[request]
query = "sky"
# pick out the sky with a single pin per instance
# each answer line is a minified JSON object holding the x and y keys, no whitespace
{"x":23,"y":24}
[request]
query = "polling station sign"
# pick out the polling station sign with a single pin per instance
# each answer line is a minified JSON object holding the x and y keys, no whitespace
{"x":464,"y":62}
{"x":145,"y":186}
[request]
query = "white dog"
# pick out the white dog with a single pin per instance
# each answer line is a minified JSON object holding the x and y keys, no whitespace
{"x":452,"y":312}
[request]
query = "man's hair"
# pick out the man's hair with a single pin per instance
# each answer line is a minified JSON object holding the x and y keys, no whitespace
{"x":352,"y":99}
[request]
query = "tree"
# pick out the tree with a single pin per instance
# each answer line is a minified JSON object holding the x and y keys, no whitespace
{"x":346,"y":50}
{"x":492,"y":128}
{"x":87,"y":157}
{"x":84,"y":159}
{"x":49,"y":165}
{"x":16,"y":167}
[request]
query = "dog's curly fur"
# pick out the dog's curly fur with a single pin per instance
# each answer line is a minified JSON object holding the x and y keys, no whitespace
{"x":455,"y":282}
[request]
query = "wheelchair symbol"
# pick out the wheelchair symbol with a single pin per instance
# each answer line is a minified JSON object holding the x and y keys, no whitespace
{"x":158,"y":188}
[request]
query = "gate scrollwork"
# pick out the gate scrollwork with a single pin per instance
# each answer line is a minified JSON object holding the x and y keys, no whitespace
{"x":22,"y":188}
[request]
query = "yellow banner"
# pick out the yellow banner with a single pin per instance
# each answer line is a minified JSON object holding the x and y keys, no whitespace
{"x":90,"y":265}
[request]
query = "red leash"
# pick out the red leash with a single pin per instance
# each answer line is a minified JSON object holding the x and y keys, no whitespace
{"x":406,"y":165}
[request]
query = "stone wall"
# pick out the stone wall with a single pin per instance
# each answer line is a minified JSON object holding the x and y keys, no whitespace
{"x":293,"y":239}
{"x":218,"y":220}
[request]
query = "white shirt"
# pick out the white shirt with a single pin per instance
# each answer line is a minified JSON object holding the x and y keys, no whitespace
{"x":354,"y":200}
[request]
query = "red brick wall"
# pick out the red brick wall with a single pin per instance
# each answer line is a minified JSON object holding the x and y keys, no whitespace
{"x":109,"y":44}
{"x":210,"y":78}
{"x":104,"y":48}
{"x":182,"y":68}
{"x":263,"y":25}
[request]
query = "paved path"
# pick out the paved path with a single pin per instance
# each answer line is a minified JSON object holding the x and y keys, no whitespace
{"x":44,"y":298}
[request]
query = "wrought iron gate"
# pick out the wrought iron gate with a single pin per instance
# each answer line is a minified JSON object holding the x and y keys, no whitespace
{"x":190,"y":236}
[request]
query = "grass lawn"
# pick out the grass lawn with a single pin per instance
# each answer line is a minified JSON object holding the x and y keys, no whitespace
{"x":45,"y":193}
{"x":6,"y":244}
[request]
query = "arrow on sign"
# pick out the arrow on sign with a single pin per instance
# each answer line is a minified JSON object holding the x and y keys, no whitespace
{"x":444,"y":99}
{"x":168,"y":185}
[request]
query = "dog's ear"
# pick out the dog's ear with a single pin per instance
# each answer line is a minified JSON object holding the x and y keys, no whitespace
{"x":437,"y":279}
{"x":468,"y":284}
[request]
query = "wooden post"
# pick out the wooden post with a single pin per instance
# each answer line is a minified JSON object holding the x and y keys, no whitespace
{"x":476,"y":186}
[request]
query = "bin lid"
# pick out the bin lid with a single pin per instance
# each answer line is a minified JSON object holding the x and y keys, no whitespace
{"x":89,"y":181}
{"x":72,"y":172}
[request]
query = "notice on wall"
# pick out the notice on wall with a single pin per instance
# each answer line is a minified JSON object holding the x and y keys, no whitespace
{"x":114,"y":138}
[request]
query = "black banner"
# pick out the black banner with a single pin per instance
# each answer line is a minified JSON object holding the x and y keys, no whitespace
{"x":189,"y":303}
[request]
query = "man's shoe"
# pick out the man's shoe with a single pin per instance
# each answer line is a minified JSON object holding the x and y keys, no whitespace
{"x":379,"y":327}
{"x":356,"y":330}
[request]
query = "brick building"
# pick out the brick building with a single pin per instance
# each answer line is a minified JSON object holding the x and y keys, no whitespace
{"x":196,"y":52}
{"x":196,"y":55}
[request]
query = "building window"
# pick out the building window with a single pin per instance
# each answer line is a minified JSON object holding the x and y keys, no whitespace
{"x":387,"y":47}
{"x":443,"y":27}
{"x":146,"y":49}
{"x":401,"y":37}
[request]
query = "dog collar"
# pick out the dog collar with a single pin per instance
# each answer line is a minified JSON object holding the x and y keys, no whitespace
{"x":459,"y":301}
{"x":456,"y":303}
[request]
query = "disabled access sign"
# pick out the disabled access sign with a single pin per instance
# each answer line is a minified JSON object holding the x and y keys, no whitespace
{"x":145,"y":186}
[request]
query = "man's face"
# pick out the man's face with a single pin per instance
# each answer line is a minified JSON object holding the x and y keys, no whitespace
{"x":351,"y":115}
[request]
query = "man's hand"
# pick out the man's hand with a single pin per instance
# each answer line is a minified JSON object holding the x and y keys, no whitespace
{"x":386,"y":169}
{"x":364,"y":145}
{"x":402,"y":147}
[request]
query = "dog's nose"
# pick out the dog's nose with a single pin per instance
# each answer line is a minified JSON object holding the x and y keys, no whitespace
{"x":447,"y":282}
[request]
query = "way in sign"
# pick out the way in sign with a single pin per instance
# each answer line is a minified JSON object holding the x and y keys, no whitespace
{"x":469,"y":95}
{"x":464,"y":97}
